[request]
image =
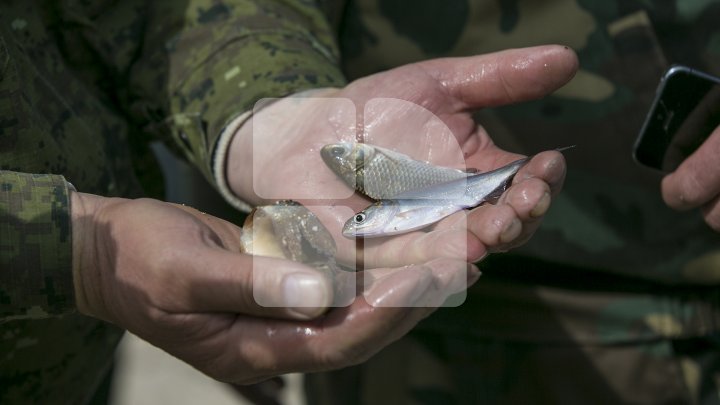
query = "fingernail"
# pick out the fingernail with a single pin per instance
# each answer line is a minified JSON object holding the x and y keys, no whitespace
{"x":551,"y":168}
{"x":305,"y":295}
{"x":512,"y":230}
{"x":555,"y":161}
{"x":541,"y":207}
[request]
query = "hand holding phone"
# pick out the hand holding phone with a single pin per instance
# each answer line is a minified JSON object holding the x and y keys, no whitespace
{"x":681,"y":136}
{"x":686,"y":110}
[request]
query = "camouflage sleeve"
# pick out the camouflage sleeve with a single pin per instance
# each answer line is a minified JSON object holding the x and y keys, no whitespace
{"x":35,"y":246}
{"x":226,"y":56}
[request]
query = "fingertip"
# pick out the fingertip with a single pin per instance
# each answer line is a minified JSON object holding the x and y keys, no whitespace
{"x":493,"y":225}
{"x":542,"y":206}
{"x":555,"y":170}
{"x":549,"y":166}
{"x":530,"y":198}
{"x":696,"y":181}
{"x":545,"y":68}
{"x":678,"y":194}
{"x":667,"y":191}
{"x":473,"y":274}
{"x":306,"y":295}
{"x":568,"y":60}
{"x":289,"y":290}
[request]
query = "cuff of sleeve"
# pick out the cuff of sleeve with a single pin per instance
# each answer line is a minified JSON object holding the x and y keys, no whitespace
{"x":35,"y":246}
{"x":248,"y":68}
{"x":220,"y":162}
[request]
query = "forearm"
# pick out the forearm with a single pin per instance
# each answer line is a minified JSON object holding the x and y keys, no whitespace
{"x":35,"y":246}
{"x":218,"y":68}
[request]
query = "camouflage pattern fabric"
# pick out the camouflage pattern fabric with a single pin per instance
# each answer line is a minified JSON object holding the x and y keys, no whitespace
{"x":84,"y":87}
{"x":34,"y":211}
{"x":615,"y":299}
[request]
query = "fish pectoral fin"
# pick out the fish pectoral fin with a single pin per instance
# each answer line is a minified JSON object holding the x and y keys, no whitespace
{"x":409,"y":215}
{"x":404,"y":215}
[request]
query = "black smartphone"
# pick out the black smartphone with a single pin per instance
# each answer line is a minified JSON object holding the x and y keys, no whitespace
{"x":684,"y":113}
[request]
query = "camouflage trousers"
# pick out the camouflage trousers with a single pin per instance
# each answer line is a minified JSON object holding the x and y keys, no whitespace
{"x":490,"y":371}
{"x":598,"y":339}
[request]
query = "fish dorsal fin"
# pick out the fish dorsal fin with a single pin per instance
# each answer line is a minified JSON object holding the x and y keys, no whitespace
{"x":393,"y":156}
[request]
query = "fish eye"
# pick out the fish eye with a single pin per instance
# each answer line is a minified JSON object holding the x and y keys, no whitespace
{"x":337,"y":151}
{"x":359,"y":218}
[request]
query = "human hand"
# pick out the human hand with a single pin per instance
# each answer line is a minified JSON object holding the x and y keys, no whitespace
{"x":176,"y":277}
{"x":696,"y":182}
{"x":422,"y":110}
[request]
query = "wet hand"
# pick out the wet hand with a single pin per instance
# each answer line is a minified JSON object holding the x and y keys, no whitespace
{"x":422,"y":110}
{"x":177,"y":278}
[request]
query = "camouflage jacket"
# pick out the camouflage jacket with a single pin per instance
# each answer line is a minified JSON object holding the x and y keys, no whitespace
{"x":610,"y":255}
{"x":610,"y":215}
{"x":613,"y":280}
{"x":84,"y":87}
{"x":86,"y":84}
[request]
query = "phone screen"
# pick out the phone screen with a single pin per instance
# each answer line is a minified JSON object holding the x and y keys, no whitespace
{"x":684,"y":113}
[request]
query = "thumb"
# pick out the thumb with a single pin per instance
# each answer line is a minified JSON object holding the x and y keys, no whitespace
{"x":504,"y":77}
{"x":697,"y":180}
{"x":260,"y":286}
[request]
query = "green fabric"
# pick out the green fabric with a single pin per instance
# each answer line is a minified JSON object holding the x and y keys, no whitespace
{"x":615,"y":299}
{"x":85,"y":87}
{"x":34,"y":234}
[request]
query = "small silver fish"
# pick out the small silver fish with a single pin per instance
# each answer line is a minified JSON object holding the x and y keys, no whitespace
{"x":416,"y":209}
{"x":289,"y":230}
{"x":381,"y":173}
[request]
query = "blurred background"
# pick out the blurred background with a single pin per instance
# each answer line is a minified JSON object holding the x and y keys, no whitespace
{"x":146,"y":375}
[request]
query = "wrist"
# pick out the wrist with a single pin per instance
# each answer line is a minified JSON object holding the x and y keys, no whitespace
{"x":83,"y":210}
{"x":278,"y":120}
{"x":239,"y":167}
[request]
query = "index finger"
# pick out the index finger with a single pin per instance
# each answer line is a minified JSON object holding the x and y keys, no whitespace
{"x":697,"y":180}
